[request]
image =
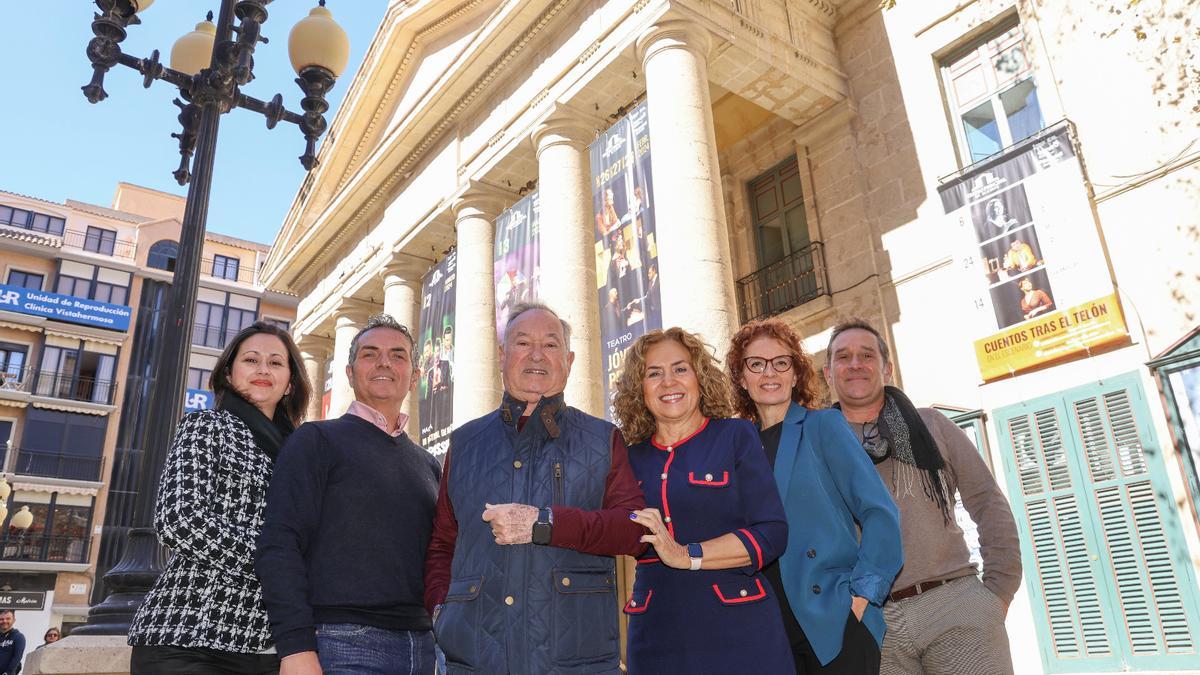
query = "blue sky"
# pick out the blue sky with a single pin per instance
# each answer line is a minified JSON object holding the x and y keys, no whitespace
{"x":54,"y":145}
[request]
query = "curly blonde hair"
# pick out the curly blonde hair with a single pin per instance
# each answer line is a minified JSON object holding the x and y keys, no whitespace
{"x":633,"y":417}
{"x":804,"y":391}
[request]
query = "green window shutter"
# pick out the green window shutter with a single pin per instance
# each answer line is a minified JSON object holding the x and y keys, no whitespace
{"x":1105,"y":560}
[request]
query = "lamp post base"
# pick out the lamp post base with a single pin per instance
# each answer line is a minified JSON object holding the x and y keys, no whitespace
{"x":130,"y":579}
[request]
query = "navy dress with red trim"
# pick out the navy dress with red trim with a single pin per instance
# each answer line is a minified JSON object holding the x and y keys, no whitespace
{"x":716,"y":481}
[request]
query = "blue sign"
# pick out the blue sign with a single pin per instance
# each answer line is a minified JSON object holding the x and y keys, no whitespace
{"x":198,"y":399}
{"x":66,"y":308}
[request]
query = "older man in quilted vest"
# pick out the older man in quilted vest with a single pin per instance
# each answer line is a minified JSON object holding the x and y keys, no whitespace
{"x":534,"y":502}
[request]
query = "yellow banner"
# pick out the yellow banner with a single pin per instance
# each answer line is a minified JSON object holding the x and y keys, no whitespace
{"x":1052,"y":337}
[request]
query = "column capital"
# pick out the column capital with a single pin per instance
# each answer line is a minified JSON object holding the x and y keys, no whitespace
{"x":479,"y":199}
{"x":674,"y":34}
{"x":316,"y":346}
{"x":567,"y":125}
{"x":352,"y":311}
{"x":404,"y":268}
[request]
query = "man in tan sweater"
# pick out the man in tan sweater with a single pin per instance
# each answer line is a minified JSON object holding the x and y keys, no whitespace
{"x":940,"y":617}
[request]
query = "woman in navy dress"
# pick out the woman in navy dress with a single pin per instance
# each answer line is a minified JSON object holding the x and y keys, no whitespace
{"x":844,"y":541}
{"x":700,"y":601}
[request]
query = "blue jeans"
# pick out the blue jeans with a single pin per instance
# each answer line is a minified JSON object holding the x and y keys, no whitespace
{"x":354,"y":649}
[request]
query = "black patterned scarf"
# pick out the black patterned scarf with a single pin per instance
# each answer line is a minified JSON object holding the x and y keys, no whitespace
{"x":904,"y":437}
{"x":269,"y":435}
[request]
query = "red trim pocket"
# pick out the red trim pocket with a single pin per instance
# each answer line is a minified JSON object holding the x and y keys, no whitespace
{"x":709,"y":479}
{"x":637,"y":603}
{"x":743,"y":595}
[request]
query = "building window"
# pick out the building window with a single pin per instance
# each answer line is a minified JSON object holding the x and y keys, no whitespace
{"x":68,"y":285}
{"x":206,"y":331}
{"x":111,"y":293}
{"x":225,"y":267}
{"x":27,"y":280}
{"x":162,"y":255}
{"x":12,"y":366}
{"x":197,"y":378}
{"x":285,"y":326}
{"x":237,"y":320}
{"x":76,"y":375}
{"x":100,"y":240}
{"x":992,"y":93}
{"x":29,"y":220}
{"x":61,"y":444}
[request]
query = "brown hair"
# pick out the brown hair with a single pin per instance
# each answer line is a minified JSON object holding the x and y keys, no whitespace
{"x":634,"y":418}
{"x":295,"y":403}
{"x":804,"y":390}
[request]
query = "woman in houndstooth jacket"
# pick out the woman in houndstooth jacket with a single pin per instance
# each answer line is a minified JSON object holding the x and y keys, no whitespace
{"x":205,"y":613}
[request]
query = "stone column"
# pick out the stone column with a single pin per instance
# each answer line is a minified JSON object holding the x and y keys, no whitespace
{"x":568,"y":279}
{"x":350,"y":317}
{"x":314,"y":352}
{"x":477,"y":385}
{"x":402,"y":300}
{"x":693,"y":242}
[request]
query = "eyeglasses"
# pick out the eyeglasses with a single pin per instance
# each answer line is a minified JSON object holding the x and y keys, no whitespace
{"x":757,"y":364}
{"x":872,"y":441}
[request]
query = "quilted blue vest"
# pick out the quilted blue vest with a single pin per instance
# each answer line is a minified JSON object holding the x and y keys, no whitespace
{"x":528,"y":609}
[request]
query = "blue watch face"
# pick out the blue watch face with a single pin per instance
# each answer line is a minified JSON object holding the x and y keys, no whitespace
{"x":695,"y":551}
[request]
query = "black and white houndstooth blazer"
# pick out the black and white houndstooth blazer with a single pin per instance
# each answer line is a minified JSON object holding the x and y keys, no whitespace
{"x":209,"y":511}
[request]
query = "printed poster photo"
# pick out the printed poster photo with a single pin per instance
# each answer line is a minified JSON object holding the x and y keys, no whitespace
{"x":1001,"y":213}
{"x":1011,"y":255}
{"x":1023,"y":298}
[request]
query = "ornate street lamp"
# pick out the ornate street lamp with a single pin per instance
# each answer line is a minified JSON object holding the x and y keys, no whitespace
{"x":209,"y":66}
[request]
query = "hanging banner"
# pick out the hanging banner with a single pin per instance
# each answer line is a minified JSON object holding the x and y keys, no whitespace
{"x":1028,"y":245}
{"x":626,"y":247}
{"x":435,"y":389}
{"x":516,"y":265}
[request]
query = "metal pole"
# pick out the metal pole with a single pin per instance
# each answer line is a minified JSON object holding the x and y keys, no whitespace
{"x":142,"y":560}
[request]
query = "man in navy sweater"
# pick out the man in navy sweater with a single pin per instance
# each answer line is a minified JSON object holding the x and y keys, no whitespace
{"x":12,"y":644}
{"x":349,"y":516}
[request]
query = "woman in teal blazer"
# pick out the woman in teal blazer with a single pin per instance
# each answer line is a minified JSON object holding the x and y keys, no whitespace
{"x":833,"y":585}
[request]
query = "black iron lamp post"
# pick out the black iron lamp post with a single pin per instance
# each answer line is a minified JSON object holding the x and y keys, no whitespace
{"x":209,"y":66}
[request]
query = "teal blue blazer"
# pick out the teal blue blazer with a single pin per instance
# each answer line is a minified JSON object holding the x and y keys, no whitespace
{"x":827,"y":483}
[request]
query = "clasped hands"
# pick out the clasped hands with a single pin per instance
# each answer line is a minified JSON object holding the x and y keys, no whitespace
{"x":670,"y":552}
{"x":511,"y":523}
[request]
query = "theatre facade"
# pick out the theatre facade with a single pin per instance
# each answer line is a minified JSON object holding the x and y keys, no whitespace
{"x":1008,"y":190}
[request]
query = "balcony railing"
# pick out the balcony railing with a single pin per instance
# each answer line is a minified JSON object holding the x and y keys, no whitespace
{"x":784,"y":284}
{"x":18,"y":380}
{"x":96,"y":243}
{"x":211,"y":336}
{"x":49,"y":464}
{"x":210,"y":267}
{"x":73,"y":388}
{"x":46,"y":548}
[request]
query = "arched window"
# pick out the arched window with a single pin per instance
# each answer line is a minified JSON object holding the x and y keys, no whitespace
{"x":162,"y":255}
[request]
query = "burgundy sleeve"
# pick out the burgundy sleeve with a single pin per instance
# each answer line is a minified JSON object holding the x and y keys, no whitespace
{"x":441,"y":545}
{"x":608,"y":531}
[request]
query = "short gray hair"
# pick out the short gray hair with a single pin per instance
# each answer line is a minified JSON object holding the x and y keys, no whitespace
{"x":523,"y":307}
{"x":382,"y":320}
{"x":856,"y":323}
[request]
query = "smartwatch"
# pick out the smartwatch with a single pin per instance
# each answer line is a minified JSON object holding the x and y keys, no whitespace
{"x":696,"y":553}
{"x":544,"y":527}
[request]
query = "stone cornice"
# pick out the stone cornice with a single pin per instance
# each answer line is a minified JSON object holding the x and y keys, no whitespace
{"x":389,"y":168}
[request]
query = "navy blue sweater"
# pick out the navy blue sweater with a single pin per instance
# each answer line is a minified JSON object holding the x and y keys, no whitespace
{"x":349,"y":516}
{"x":12,"y":648}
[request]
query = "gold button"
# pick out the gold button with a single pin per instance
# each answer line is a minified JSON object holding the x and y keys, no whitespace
{"x":517,"y":464}
{"x":566,"y":581}
{"x":743,"y":593}
{"x":708,"y":476}
{"x":509,"y":601}
{"x":473,"y":589}
{"x":662,"y":476}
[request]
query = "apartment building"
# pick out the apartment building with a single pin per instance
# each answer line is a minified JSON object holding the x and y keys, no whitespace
{"x":73,"y":278}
